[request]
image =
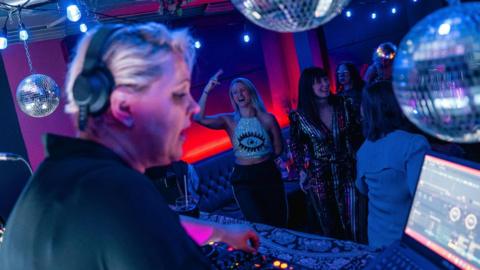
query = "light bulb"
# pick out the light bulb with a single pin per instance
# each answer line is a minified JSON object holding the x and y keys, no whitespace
{"x":23,"y":34}
{"x":3,"y":42}
{"x":197,"y":44}
{"x":83,"y":28}
{"x":444,"y":29}
{"x":73,"y":13}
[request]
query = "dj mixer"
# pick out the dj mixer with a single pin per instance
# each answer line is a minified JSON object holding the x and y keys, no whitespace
{"x":226,"y":257}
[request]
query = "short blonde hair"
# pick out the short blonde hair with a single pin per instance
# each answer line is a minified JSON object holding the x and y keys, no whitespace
{"x":134,"y":54}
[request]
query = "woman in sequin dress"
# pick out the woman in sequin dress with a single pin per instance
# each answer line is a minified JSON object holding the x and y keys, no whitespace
{"x":256,"y":140}
{"x":320,"y":131}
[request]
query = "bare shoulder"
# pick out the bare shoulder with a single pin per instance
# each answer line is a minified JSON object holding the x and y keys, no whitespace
{"x":227,"y":116}
{"x":229,"y":119}
{"x":267,"y":118}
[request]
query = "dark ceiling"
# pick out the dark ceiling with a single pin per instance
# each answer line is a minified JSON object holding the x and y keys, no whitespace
{"x":46,"y":19}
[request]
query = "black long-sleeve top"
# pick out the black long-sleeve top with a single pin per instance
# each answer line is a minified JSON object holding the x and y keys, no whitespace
{"x":85,"y":208}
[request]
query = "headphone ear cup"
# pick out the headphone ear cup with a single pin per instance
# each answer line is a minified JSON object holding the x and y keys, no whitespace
{"x":81,"y":90}
{"x":101,"y":83}
{"x":93,"y":90}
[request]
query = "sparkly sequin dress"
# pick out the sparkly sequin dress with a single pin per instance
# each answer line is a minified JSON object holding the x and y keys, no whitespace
{"x":328,"y":158}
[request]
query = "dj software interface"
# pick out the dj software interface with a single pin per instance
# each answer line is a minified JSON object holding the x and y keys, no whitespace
{"x":446,"y":211}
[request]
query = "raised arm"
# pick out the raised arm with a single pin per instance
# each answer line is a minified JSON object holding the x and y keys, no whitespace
{"x":215,"y":121}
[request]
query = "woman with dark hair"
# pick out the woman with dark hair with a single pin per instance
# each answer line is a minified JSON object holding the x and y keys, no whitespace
{"x":350,"y":86}
{"x":324,"y":154}
{"x":349,"y":83}
{"x":388,"y":164}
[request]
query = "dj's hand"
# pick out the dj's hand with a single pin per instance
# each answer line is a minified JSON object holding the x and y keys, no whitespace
{"x":240,"y":237}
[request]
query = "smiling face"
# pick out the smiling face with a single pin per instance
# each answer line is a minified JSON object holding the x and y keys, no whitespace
{"x":163,"y":112}
{"x":241,"y":95}
{"x":321,"y":87}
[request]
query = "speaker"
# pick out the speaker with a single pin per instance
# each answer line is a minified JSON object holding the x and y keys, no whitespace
{"x":92,"y":87}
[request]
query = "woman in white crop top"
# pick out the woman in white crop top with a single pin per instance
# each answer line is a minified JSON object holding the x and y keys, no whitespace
{"x":256,"y":139}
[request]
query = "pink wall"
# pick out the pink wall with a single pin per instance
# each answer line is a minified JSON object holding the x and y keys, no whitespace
{"x":279,"y":91}
{"x":315,"y":48}
{"x":47,"y":58}
{"x":281,"y":63}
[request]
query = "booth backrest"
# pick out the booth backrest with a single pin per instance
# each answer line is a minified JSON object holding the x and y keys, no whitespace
{"x":215,"y":190}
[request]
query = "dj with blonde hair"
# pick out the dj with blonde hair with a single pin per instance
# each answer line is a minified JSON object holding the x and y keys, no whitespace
{"x":88,"y":205}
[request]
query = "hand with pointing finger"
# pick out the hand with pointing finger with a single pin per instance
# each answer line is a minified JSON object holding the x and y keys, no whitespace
{"x":212,"y":82}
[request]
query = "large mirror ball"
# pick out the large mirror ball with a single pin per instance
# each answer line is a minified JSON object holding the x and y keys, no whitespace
{"x":436,"y":74}
{"x":290,"y":15}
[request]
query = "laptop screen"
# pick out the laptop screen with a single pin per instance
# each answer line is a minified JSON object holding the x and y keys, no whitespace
{"x":445,"y":213}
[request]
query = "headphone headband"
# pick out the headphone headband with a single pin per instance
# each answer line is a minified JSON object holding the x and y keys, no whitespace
{"x":93,"y":57}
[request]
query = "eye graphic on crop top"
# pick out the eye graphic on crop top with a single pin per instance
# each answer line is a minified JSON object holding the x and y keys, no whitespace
{"x":251,"y":141}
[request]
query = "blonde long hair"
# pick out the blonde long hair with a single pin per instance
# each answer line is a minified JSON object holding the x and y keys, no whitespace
{"x":252,"y":90}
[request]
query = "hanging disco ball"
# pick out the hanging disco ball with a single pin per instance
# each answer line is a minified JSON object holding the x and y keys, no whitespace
{"x":290,"y":15}
{"x":38,"y":95}
{"x":436,"y":74}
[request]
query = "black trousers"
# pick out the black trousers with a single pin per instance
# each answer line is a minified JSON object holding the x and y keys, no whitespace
{"x":260,"y":193}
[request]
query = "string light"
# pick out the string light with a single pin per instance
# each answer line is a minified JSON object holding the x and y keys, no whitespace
{"x":3,"y":41}
{"x":246,"y":38}
{"x":4,"y":35}
{"x":246,"y":34}
{"x":23,"y":34}
{"x":83,"y":28}
{"x":73,"y":13}
{"x":197,"y":44}
{"x":374,"y":15}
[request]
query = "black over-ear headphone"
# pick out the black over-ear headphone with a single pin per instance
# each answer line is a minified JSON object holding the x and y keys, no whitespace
{"x":92,"y":87}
